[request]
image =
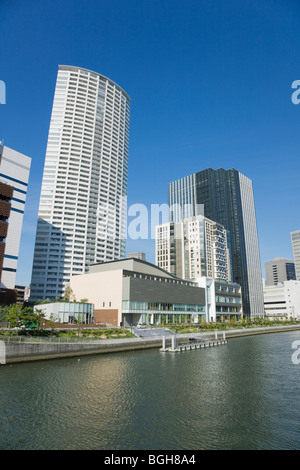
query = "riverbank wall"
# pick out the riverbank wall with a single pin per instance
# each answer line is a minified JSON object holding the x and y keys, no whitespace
{"x":25,"y":351}
{"x":260,"y":330}
{"x":17,"y":352}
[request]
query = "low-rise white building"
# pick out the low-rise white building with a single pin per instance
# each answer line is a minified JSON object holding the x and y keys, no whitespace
{"x":129,"y":291}
{"x":282,"y":301}
{"x":67,"y":312}
{"x":223,"y":299}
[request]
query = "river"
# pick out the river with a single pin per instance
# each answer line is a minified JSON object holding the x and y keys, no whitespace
{"x":242,"y":395}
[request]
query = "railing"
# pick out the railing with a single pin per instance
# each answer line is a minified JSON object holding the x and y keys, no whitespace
{"x":46,"y":339}
{"x":192,"y":343}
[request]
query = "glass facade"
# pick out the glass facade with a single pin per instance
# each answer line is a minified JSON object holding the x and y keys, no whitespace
{"x":290,"y":271}
{"x":70,"y":312}
{"x":133,"y":306}
{"x":231,"y":300}
{"x":227,"y":196}
{"x":159,"y":312}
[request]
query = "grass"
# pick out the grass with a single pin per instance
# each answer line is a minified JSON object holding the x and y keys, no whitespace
{"x":103,"y":333}
{"x":113,"y":333}
{"x":230,"y":325}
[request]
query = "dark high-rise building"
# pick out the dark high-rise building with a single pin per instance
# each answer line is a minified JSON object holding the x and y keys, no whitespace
{"x":227,"y":196}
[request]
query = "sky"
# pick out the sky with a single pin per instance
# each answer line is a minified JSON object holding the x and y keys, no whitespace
{"x":210,"y":84}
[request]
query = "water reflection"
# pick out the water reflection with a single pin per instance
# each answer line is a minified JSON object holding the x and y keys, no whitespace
{"x":239,"y":396}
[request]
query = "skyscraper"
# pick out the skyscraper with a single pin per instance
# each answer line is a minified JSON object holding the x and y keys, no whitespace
{"x":227,"y":196}
{"x":296,"y":251}
{"x":14,"y":175}
{"x":82,"y":211}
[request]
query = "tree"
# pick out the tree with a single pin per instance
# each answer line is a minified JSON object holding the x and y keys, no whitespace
{"x":69,"y":295}
{"x":51,"y":321}
{"x":18,"y":317}
{"x":3,"y":314}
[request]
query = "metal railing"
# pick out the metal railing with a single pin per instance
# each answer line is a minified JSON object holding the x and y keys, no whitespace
{"x":48,"y":339}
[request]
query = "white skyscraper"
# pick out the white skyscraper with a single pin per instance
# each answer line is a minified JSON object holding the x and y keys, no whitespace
{"x":82,"y":212}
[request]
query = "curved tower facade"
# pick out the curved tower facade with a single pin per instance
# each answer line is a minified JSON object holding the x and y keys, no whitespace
{"x":82,"y":211}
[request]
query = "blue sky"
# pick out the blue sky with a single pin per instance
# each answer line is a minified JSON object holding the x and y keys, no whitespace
{"x":210,"y":84}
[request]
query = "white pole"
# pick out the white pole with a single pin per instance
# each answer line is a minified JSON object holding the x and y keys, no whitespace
{"x":164,"y":342}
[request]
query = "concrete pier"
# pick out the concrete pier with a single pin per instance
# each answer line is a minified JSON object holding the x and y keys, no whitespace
{"x":193,"y":344}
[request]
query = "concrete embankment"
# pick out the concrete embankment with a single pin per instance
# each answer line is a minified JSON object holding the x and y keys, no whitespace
{"x":261,"y":330}
{"x":26,"y":351}
{"x":16,"y":352}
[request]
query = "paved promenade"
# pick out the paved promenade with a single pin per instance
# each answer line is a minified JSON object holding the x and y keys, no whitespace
{"x":23,"y":351}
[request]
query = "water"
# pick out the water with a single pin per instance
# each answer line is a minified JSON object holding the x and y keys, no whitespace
{"x":243,"y":395}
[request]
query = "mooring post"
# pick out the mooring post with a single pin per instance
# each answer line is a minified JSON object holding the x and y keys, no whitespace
{"x":224,"y":335}
{"x":173,"y":343}
{"x":164,"y":342}
{"x":216,"y":334}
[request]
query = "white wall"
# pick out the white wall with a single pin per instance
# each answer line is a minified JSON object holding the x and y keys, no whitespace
{"x":17,"y":166}
{"x":103,"y":289}
{"x":288,"y":294}
{"x":292,"y":297}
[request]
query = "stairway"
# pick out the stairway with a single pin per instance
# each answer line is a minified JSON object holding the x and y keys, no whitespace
{"x":152,"y":332}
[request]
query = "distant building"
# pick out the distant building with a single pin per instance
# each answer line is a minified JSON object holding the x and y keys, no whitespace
{"x":20,"y":294}
{"x":14,"y":175}
{"x":282,"y":300}
{"x":6,"y":194}
{"x":223,"y":299}
{"x":296,"y":251}
{"x":227,"y":196}
{"x":129,"y":291}
{"x":194,"y":247}
{"x":279,"y":270}
{"x":8,"y":296}
{"x":137,"y":255}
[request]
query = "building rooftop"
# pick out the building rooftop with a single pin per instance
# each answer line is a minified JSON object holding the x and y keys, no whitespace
{"x":74,"y":68}
{"x":131,"y":264}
